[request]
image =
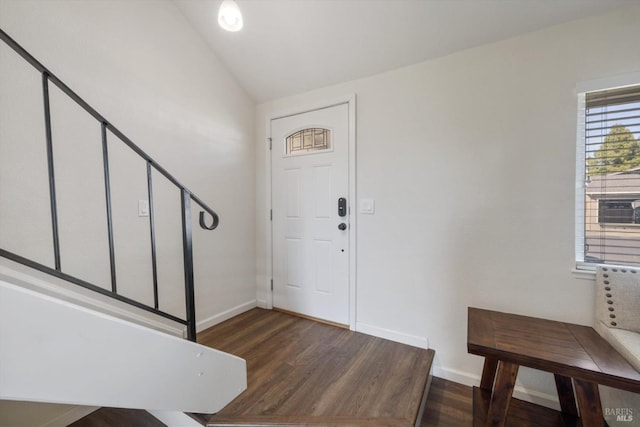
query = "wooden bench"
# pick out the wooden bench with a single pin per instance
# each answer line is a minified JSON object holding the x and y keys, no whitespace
{"x":576,"y":355}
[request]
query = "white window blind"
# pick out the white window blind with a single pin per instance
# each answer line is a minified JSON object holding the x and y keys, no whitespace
{"x":611,"y":199}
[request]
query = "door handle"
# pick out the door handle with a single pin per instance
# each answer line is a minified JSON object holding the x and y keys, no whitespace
{"x":342,"y":226}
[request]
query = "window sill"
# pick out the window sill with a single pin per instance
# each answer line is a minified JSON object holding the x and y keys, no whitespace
{"x":583,"y":274}
{"x":618,"y":225}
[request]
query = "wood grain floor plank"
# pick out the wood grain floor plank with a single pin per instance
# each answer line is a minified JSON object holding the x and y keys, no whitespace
{"x":449,"y":405}
{"x":301,"y":370}
{"x":115,"y":417}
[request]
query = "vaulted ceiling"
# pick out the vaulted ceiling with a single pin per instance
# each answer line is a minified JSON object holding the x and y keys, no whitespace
{"x":292,"y":46}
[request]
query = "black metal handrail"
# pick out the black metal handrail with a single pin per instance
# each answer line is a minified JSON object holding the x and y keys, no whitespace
{"x":186,"y":197}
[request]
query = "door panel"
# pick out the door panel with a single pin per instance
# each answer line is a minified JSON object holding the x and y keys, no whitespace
{"x":294,"y":261}
{"x":309,"y":175}
{"x":322,"y":191}
{"x":323,"y":266}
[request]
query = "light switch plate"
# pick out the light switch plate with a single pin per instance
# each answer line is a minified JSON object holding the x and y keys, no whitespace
{"x":367,"y":206}
{"x":143,"y":208}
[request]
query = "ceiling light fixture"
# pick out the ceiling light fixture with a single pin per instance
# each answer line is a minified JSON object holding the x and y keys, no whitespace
{"x":229,"y":16}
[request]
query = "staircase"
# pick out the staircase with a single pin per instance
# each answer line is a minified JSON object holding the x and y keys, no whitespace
{"x":69,"y":334}
{"x":56,"y":351}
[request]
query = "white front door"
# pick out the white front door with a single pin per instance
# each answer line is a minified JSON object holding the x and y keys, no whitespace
{"x":310,"y":198}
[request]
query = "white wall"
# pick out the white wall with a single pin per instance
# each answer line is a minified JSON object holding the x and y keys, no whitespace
{"x":470,"y":159}
{"x":142,"y":66}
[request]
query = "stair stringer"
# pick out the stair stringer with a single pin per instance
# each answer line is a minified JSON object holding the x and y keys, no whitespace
{"x":56,"y":351}
{"x":61,"y":289}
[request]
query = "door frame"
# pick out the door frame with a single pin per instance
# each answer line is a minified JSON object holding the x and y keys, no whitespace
{"x":350,"y":100}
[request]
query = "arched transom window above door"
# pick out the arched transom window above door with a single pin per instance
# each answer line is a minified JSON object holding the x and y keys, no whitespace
{"x":308,"y":140}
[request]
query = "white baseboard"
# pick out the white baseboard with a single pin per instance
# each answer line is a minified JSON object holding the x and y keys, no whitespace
{"x":263,"y":304}
{"x":537,"y":397}
{"x":456,"y":375}
{"x":519,"y":392}
{"x":71,"y":416}
{"x":225,"y":315}
{"x":391,"y":335}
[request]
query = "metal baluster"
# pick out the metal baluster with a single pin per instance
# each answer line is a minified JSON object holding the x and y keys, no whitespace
{"x":152,"y":226}
{"x":188,"y":265}
{"x":107,"y":192}
{"x":52,"y":180}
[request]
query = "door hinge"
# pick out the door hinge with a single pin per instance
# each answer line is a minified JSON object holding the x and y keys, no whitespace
{"x":270,"y":143}
{"x":271,"y":284}
{"x":271,"y":214}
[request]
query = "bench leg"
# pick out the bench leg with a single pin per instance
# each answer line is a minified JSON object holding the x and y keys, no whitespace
{"x":488,"y":373}
{"x":565,"y":395}
{"x":589,"y":403}
{"x":502,"y":392}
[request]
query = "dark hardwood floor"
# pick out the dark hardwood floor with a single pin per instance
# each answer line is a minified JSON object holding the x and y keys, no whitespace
{"x":449,"y":405}
{"x":304,"y":372}
{"x":118,"y":417}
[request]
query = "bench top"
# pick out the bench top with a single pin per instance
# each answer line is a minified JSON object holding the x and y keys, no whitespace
{"x":566,"y":349}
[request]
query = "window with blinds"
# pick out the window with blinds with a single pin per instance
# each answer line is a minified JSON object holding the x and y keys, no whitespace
{"x":611,"y":209}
